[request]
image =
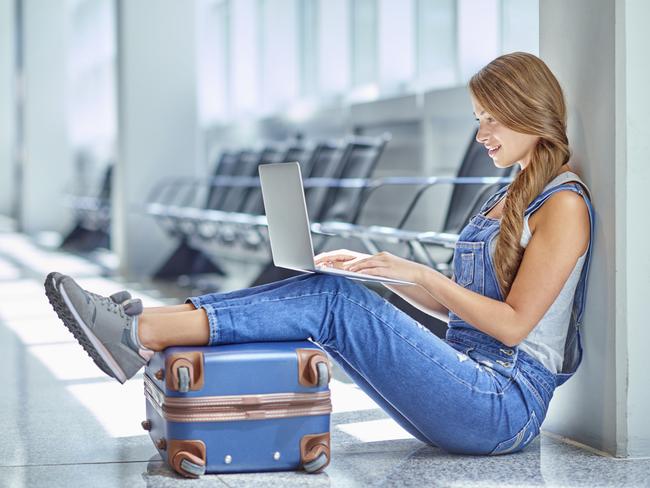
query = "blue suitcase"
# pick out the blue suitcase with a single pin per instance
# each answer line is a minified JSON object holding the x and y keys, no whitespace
{"x":240,"y":407}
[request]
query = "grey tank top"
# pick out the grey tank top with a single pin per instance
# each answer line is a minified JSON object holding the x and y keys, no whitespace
{"x":546,"y":341}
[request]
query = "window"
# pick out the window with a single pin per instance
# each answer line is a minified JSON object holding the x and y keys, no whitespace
{"x":213,"y":60}
{"x":520,"y":26}
{"x":266,"y":56}
{"x":478,"y":35}
{"x":364,"y":42}
{"x":244,"y":79}
{"x":396,"y":37}
{"x":436,"y":22}
{"x":279,"y":74}
{"x":92,"y":121}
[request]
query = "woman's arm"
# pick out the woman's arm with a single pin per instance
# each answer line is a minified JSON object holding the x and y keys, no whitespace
{"x":560,"y":237}
{"x":415,"y":295}
{"x":421,"y":299}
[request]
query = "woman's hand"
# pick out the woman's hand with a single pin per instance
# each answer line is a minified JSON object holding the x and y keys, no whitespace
{"x":387,"y":265}
{"x":339,"y":259}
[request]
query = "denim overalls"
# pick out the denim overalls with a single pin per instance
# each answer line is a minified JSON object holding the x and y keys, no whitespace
{"x":474,"y":270}
{"x":467,"y":394}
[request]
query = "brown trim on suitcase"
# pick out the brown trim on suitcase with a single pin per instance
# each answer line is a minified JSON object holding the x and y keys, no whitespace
{"x":193,"y":451}
{"x":312,"y":446}
{"x":236,"y":407}
{"x":307,"y":370}
{"x":192,"y":361}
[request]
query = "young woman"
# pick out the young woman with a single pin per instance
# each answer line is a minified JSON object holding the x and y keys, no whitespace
{"x":513,"y":306}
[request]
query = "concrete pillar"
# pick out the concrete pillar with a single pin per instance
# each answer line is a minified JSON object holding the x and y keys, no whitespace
{"x":47,"y":169}
{"x":596,"y":49}
{"x":157,"y":114}
{"x":7,"y":114}
{"x":633,"y":139}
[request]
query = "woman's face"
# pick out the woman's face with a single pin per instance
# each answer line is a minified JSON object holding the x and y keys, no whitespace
{"x":505,"y":146}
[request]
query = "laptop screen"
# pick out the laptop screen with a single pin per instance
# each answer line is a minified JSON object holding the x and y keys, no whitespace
{"x":286,"y":213}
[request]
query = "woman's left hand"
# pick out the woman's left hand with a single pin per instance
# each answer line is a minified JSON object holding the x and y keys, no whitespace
{"x":390,"y":266}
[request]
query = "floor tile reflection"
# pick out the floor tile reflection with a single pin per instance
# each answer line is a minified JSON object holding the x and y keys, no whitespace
{"x":65,"y":424}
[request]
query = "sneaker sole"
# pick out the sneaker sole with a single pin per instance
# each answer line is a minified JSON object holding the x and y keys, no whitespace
{"x":91,"y":344}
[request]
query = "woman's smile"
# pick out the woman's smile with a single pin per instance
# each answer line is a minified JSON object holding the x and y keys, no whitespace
{"x":493,"y":150}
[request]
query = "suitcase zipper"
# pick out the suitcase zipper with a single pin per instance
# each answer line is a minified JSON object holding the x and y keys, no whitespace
{"x":236,"y":407}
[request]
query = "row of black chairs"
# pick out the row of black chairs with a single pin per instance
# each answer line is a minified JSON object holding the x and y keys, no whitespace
{"x":227,"y":208}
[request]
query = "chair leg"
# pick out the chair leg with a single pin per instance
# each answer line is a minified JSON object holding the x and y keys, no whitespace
{"x":186,"y":260}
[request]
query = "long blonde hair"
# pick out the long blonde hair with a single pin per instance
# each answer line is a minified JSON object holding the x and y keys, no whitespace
{"x":519,"y":91}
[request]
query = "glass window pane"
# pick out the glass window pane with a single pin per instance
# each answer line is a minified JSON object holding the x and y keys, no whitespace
{"x":520,"y":26}
{"x":478,"y":35}
{"x":364,"y":42}
{"x":92,"y":121}
{"x":436,"y":43}
{"x":244,"y":56}
{"x":308,"y":47}
{"x":212,"y":60}
{"x":333,"y":46}
{"x":396,"y":42}
{"x":279,"y":52}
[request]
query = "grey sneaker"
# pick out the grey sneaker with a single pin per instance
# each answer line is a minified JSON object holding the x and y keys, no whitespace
{"x":118,"y":297}
{"x":100,"y":325}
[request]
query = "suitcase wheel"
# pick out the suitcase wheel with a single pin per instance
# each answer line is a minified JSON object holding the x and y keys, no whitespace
{"x":187,"y":457}
{"x":323,"y":374}
{"x":317,"y":464}
{"x":183,"y":379}
{"x":193,"y":468}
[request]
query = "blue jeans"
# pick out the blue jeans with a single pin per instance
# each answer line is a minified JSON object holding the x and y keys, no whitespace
{"x":438,"y":390}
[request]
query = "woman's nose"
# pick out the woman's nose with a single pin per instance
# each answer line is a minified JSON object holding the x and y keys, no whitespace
{"x":481,"y":135}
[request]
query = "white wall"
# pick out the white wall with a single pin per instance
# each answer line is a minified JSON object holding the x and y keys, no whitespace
{"x":7,"y":106}
{"x":47,"y":168}
{"x":157,"y":121}
{"x":632,"y":124}
{"x":597,"y":50}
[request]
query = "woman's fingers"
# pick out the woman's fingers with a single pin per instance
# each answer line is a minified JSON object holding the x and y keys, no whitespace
{"x":369,"y":261}
{"x":332,"y":259}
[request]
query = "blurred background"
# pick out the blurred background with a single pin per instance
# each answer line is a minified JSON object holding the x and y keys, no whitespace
{"x":130,"y":136}
{"x":161,"y":89}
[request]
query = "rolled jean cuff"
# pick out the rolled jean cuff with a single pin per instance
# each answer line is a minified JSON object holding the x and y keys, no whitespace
{"x":196,"y":301}
{"x":225,"y":333}
{"x":212,"y":317}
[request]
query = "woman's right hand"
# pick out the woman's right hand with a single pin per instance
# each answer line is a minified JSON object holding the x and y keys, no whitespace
{"x":340,"y":259}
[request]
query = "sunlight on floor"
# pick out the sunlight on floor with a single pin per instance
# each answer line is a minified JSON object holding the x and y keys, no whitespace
{"x":348,"y":397}
{"x":375,"y":430}
{"x":118,"y":408}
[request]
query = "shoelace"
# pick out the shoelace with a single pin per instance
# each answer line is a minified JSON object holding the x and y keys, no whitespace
{"x":110,"y":304}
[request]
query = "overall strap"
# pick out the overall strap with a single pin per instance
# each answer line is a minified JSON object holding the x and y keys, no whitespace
{"x":493,"y":199}
{"x":573,"y":347}
{"x":576,"y":186}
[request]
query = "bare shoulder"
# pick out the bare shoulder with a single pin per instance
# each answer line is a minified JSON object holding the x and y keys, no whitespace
{"x":564,"y":217}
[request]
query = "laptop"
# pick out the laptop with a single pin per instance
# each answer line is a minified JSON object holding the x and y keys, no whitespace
{"x":288,"y":223}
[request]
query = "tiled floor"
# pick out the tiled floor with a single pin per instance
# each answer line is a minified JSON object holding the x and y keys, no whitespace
{"x":64,"y":424}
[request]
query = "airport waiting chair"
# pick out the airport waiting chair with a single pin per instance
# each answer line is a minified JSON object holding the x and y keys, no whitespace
{"x":329,"y":162}
{"x":477,"y":178}
{"x":234,"y":188}
{"x":92,"y":218}
{"x":329,"y":196}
